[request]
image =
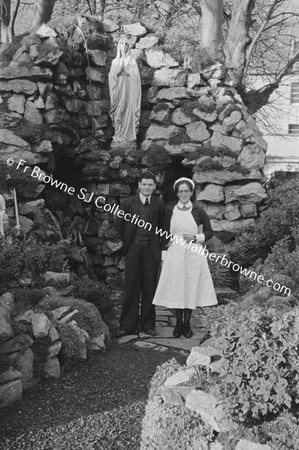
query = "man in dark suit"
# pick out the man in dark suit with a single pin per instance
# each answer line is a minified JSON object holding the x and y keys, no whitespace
{"x":142,"y":250}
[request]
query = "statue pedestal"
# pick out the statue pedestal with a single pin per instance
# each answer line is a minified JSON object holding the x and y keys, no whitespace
{"x":124,"y":145}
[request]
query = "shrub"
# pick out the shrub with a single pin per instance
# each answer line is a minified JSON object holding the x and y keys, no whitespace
{"x":71,"y":345}
{"x":274,"y":224}
{"x":94,"y":292}
{"x":88,"y":317}
{"x":263,"y":372}
{"x":29,"y":258}
{"x":25,"y":299}
{"x":156,"y":158}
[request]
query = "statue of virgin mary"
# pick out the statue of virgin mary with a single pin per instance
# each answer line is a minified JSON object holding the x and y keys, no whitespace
{"x":125,"y":94}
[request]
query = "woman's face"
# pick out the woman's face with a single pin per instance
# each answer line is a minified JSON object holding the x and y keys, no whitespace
{"x":124,"y":47}
{"x":184,"y":193}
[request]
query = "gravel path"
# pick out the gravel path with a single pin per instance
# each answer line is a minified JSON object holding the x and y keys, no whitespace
{"x":98,"y":404}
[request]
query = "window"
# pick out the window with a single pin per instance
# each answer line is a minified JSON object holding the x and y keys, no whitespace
{"x":294,"y":128}
{"x":294,"y":92}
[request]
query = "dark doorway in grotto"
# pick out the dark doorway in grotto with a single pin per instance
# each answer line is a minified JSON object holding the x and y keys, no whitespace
{"x":174,"y":171}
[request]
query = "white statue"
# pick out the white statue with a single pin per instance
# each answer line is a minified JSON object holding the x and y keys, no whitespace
{"x":125,"y":94}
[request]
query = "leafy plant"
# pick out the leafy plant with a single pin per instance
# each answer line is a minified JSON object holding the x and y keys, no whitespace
{"x":263,"y":372}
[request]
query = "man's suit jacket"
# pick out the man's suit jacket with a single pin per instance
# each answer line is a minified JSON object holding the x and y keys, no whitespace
{"x":127,"y":230}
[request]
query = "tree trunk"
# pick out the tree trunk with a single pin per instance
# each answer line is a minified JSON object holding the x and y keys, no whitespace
{"x":4,"y":20}
{"x":238,"y":40}
{"x":211,"y":23}
{"x":42,"y":13}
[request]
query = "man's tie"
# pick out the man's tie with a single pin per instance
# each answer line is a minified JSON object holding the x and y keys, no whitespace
{"x":146,"y":203}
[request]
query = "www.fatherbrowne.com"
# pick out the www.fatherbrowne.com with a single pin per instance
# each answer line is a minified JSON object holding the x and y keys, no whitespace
{"x":224,"y":261}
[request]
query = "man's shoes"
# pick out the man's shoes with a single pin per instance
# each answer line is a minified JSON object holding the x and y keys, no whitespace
{"x":187,"y":332}
{"x":122,"y":333}
{"x":177,"y":332}
{"x":149,"y":331}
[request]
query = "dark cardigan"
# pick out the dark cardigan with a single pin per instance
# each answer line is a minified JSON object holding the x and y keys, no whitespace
{"x":200,"y":217}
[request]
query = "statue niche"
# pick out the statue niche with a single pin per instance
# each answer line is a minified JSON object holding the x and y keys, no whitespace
{"x":125,"y":95}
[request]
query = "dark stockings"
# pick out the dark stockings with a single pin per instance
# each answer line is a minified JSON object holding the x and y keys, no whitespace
{"x":177,"y":332}
{"x":186,"y":331}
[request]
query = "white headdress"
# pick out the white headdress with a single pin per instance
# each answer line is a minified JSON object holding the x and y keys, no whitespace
{"x":184,"y":179}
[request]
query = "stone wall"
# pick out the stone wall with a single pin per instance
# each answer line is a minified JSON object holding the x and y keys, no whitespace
{"x":54,"y":114}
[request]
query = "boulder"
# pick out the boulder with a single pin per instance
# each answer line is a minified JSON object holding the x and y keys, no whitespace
{"x":134,"y":29}
{"x":5,"y":327}
{"x":52,"y":368}
{"x":252,"y":157}
{"x":210,"y":410}
{"x":248,"y":210}
{"x":232,"y":120}
{"x":43,"y":147}
{"x":110,"y":26}
{"x":232,"y":143}
{"x":99,"y":57}
{"x":233,"y":227}
{"x":157,"y":132}
{"x":249,"y":193}
{"x":147,"y":42}
{"x":57,"y":277}
{"x":97,"y":343}
{"x":17,"y":344}
{"x":53,"y":334}
{"x":59,"y":312}
{"x":214,"y":211}
{"x":232,"y":211}
{"x":24,"y":363}
{"x":173,"y":93}
{"x":182,"y":376}
{"x":95,"y":74}
{"x":161,"y":112}
{"x":194,"y":80}
{"x":179,"y":118}
{"x":158,"y":59}
{"x":20,"y":71}
{"x":243,"y":444}
{"x":169,"y":77}
{"x":54,"y":349}
{"x":7,"y":301}
{"x":206,"y":117}
{"x":10,"y":374}
{"x":18,"y":86}
{"x":201,"y":356}
{"x":16,"y":103}
{"x":10,"y":392}
{"x":211,"y":193}
{"x":223,"y":176}
{"x":197,"y":131}
{"x":40,"y":325}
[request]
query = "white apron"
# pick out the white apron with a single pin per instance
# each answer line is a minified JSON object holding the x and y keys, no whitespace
{"x":185,"y":280}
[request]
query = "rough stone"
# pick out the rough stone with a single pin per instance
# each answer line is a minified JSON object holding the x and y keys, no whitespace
{"x":54,"y":349}
{"x":10,"y":374}
{"x":59,"y":312}
{"x":52,"y":368}
{"x":135,"y":29}
{"x":232,"y":211}
{"x":206,"y":117}
{"x":43,"y":147}
{"x":57,"y":277}
{"x":7,"y":301}
{"x":158,"y":59}
{"x":220,"y":140}
{"x":224,"y":176}
{"x":173,"y":93}
{"x":56,"y":116}
{"x":30,"y":207}
{"x":147,"y":42}
{"x":248,"y":210}
{"x":25,"y":317}
{"x":249,"y":193}
{"x":182,"y":376}
{"x":17,"y":103}
{"x":211,"y":193}
{"x":209,"y":409}
{"x":233,"y":227}
{"x":243,"y":444}
{"x":232,"y":120}
{"x":24,"y":363}
{"x":95,"y":74}
{"x":179,"y":118}
{"x":97,"y":343}
{"x":214,"y":211}
{"x":53,"y":334}
{"x":16,"y":344}
{"x":194,"y":80}
{"x":35,"y":72}
{"x":157,"y":132}
{"x":252,"y":157}
{"x":160,"y":113}
{"x":5,"y":327}
{"x":110,"y":26}
{"x":99,"y":57}
{"x":197,"y":131}
{"x":201,"y":356}
{"x":18,"y":86}
{"x":10,"y":392}
{"x":40,"y":325}
{"x":169,"y":77}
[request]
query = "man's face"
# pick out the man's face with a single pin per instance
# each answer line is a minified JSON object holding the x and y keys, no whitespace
{"x":146,"y":186}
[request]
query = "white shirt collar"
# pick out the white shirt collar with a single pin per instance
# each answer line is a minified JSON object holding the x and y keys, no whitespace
{"x":144,"y":197}
{"x":186,"y":205}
